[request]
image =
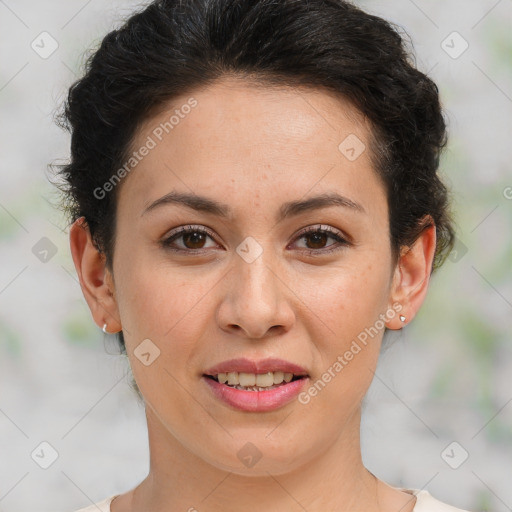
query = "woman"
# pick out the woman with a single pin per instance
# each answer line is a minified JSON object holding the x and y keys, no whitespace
{"x":255,"y":202}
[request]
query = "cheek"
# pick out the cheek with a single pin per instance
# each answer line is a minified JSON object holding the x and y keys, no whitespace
{"x":347,"y":344}
{"x":347,"y":338}
{"x":348,"y":298}
{"x":160,"y":303}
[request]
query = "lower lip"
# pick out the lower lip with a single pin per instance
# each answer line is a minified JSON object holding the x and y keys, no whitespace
{"x":257,"y":401}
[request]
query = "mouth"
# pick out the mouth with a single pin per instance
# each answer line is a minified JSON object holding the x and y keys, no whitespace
{"x":256,"y":392}
{"x":255,"y":381}
{"x":253,"y":385}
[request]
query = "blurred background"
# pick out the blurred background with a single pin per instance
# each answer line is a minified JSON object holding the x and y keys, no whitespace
{"x":438,"y":415}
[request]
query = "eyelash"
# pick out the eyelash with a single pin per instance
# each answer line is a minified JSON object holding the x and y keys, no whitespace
{"x":166,"y":243}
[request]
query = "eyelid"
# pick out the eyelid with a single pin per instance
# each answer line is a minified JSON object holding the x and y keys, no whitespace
{"x":325,"y":228}
{"x":340,"y":237}
{"x":176,"y":233}
{"x":334,"y":233}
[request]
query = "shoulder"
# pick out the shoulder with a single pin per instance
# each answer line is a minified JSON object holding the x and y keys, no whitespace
{"x":102,"y":506}
{"x":425,"y":502}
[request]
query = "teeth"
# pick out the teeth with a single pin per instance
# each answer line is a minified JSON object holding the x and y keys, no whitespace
{"x":262,"y":380}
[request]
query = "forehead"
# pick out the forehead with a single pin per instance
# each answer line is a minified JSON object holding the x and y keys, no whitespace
{"x":258,"y":140}
{"x":219,"y":109}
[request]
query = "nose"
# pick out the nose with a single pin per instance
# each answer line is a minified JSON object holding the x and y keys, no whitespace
{"x":256,"y":300}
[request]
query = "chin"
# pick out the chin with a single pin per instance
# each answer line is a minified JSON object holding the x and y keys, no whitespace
{"x":257,"y":455}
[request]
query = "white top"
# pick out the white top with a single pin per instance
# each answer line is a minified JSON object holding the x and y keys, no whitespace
{"x":424,"y":503}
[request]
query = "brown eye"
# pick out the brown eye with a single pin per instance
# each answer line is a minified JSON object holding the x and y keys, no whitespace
{"x":318,"y":237}
{"x":193,"y":239}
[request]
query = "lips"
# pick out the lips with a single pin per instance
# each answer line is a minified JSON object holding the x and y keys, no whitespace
{"x":256,"y":366}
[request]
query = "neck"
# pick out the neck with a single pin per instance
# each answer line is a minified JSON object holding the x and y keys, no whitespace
{"x":334,"y":479}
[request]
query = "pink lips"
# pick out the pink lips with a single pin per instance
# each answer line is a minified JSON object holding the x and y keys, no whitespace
{"x":256,"y":401}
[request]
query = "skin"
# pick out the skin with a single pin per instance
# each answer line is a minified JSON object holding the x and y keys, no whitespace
{"x":254,"y":148}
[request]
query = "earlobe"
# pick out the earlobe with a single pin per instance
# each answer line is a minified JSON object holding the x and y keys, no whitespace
{"x":412,"y":277}
{"x":95,"y":279}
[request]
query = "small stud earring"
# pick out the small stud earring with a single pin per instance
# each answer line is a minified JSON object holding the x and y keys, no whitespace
{"x":105,"y":328}
{"x":402,"y":318}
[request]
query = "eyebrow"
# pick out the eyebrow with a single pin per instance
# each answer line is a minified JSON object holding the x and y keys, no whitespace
{"x":289,"y":209}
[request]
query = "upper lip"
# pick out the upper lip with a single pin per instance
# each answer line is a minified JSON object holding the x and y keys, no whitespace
{"x":245,"y":365}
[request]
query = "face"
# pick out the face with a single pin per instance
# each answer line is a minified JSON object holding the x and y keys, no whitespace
{"x":251,"y":283}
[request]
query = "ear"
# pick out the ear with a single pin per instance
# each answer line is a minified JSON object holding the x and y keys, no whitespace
{"x":412,"y":275}
{"x":96,"y":281}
